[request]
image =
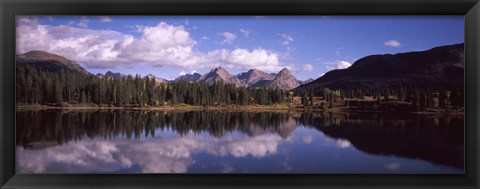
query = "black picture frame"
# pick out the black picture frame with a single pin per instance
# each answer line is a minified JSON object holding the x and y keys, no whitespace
{"x":9,"y":9}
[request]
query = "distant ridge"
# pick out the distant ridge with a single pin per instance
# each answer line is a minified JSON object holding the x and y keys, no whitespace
{"x":438,"y":67}
{"x":252,"y":78}
{"x":49,"y":62}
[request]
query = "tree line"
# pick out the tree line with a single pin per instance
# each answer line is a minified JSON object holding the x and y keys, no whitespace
{"x":36,"y":86}
{"x":420,"y":97}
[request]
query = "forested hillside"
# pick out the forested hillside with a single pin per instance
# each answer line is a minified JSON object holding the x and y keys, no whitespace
{"x":37,"y":86}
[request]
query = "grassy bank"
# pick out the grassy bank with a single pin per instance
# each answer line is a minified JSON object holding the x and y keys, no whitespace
{"x":176,"y":107}
{"x":371,"y":105}
{"x":367,"y":105}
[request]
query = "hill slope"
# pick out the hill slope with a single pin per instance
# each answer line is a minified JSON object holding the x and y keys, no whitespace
{"x":49,"y":62}
{"x":438,"y":67}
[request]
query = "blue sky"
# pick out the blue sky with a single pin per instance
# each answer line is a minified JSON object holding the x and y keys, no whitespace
{"x":168,"y":46}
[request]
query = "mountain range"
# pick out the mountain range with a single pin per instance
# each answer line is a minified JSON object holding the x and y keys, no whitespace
{"x":441,"y":66}
{"x":252,"y":78}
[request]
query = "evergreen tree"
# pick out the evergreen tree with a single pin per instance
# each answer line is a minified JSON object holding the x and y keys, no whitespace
{"x":58,"y":92}
{"x":454,"y":98}
{"x":330,"y":100}
{"x":311,"y":98}
{"x":415,"y":98}
{"x":422,"y":101}
{"x":83,"y":98}
{"x":401,"y":94}
{"x":305,"y":99}
{"x":377,"y":99}
{"x":430,"y":102}
{"x":442,"y":96}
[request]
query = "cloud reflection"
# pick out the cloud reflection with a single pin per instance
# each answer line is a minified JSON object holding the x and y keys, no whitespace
{"x":392,"y":166}
{"x":159,"y":155}
{"x":342,"y":143}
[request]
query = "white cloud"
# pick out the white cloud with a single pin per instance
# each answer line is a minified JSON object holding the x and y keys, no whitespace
{"x":229,"y":37}
{"x":95,"y":47}
{"x":244,"y":59}
{"x":307,"y":139}
{"x":31,"y":35}
{"x":162,"y":45}
{"x":158,"y":45}
{"x":392,"y":43}
{"x":307,"y":67}
{"x":339,"y":64}
{"x":343,"y":64}
{"x":193,"y":71}
{"x":105,"y":19}
{"x":342,"y":143}
{"x":83,"y":23}
{"x":286,"y":39}
{"x":182,"y":73}
{"x":245,"y":32}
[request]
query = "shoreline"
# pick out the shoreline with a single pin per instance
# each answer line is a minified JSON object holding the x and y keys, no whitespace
{"x":248,"y":107}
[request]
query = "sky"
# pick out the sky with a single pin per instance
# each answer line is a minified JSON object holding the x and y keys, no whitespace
{"x":169,"y":46}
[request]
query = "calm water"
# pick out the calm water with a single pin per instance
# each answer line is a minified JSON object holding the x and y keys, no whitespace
{"x":55,"y":141}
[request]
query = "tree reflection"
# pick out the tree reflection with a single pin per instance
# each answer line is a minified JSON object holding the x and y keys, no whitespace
{"x":63,"y":126}
{"x":438,"y":139}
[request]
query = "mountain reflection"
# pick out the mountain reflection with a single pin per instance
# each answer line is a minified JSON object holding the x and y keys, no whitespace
{"x":438,"y":139}
{"x":168,"y":141}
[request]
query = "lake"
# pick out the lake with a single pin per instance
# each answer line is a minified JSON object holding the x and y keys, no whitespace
{"x":223,"y":141}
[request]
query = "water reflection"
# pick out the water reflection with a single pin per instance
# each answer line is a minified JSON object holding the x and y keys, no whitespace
{"x":53,"y":141}
{"x":434,"y":138}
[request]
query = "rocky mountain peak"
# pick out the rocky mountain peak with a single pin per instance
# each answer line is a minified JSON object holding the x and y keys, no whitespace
{"x":218,"y":74}
{"x":221,"y":71}
{"x":284,"y":80}
{"x":189,"y":77}
{"x":285,"y":72}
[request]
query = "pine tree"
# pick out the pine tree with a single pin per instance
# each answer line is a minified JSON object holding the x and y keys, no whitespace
{"x":304,"y":99}
{"x":422,"y":101}
{"x":401,"y":93}
{"x":454,"y":98}
{"x":83,"y":98}
{"x":330,"y":100}
{"x":415,"y":98}
{"x":311,"y":98}
{"x":430,"y":102}
{"x":377,"y":99}
{"x":58,"y":92}
{"x":442,"y":98}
